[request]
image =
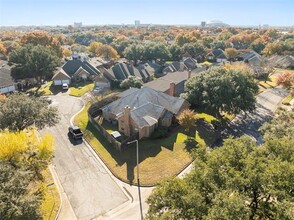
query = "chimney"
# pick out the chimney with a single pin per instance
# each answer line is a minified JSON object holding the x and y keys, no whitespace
{"x":189,"y":74}
{"x":127,"y":121}
{"x":172,"y":87}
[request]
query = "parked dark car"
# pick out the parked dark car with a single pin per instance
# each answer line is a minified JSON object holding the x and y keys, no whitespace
{"x":75,"y":132}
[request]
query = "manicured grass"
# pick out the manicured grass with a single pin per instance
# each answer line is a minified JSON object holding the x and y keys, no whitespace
{"x":208,"y":118}
{"x":159,"y":158}
{"x":287,"y":100}
{"x":79,"y":89}
{"x":51,"y":201}
{"x":45,"y":89}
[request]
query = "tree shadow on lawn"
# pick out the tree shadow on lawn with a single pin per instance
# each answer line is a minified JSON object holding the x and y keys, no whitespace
{"x":208,"y":132}
{"x":147,"y":148}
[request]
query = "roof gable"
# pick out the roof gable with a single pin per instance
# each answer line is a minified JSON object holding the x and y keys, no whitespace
{"x":60,"y":75}
{"x":141,"y":96}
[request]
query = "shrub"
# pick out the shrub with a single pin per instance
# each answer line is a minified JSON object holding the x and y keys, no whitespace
{"x":160,"y":132}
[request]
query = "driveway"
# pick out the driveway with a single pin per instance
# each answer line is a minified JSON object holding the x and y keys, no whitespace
{"x":266,"y":104}
{"x":89,"y":188}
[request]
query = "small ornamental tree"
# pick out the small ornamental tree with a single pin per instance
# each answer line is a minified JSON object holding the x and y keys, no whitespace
{"x":287,"y":81}
{"x":186,"y":119}
{"x":131,"y":81}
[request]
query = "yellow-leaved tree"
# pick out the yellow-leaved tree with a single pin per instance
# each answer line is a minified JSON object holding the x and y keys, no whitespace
{"x":27,"y":148}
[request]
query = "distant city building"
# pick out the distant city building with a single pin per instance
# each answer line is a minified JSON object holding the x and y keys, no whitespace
{"x":78,"y":24}
{"x":137,"y":23}
{"x":216,"y":23}
{"x":203,"y":23}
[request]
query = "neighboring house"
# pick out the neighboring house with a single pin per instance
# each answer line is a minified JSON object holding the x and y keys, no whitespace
{"x":6,"y":82}
{"x":186,"y":55}
{"x":284,"y":62}
{"x":79,"y":68}
{"x":217,"y":55}
{"x":121,"y":71}
{"x":180,"y":66}
{"x":250,"y":57}
{"x":101,"y":82}
{"x":143,"y":110}
{"x":173,"y":83}
{"x":61,"y":77}
{"x":151,"y":67}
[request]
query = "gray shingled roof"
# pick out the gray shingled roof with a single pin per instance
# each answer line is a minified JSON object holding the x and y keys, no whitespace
{"x":141,"y":97}
{"x":71,"y":66}
{"x":122,"y":71}
{"x":127,"y":92}
{"x":5,"y":77}
{"x":163,"y":83}
{"x":147,"y":114}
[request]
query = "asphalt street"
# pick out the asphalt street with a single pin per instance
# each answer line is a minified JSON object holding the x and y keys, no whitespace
{"x":89,"y":188}
{"x":266,"y":104}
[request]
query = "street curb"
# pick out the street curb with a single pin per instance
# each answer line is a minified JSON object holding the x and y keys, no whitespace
{"x":97,"y":156}
{"x":55,"y":178}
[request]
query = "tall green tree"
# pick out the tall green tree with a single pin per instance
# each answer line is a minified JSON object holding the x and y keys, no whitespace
{"x":236,"y":181}
{"x":18,"y":111}
{"x":222,"y":90}
{"x":282,"y":125}
{"x":134,"y":52}
{"x":175,"y":52}
{"x":17,"y":200}
{"x":37,"y":62}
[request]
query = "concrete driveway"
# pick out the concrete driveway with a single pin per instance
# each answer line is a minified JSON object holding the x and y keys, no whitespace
{"x":89,"y":188}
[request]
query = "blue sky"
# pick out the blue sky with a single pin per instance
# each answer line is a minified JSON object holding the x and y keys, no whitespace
{"x":190,"y":12}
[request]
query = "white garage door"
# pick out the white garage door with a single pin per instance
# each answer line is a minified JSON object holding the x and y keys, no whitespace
{"x":7,"y":89}
{"x":60,"y":82}
{"x":65,"y":81}
{"x":57,"y":82}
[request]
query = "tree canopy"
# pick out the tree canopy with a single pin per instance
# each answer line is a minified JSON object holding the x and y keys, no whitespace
{"x":237,"y":181}
{"x":131,"y":81}
{"x":282,"y":125}
{"x":34,"y":62}
{"x":17,"y":202}
{"x":222,"y":90}
{"x":42,"y":39}
{"x":18,"y":111}
{"x":23,"y":155}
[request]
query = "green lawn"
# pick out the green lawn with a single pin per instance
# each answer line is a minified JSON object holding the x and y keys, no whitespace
{"x":159,"y":158}
{"x":51,"y":201}
{"x":80,"y":88}
{"x":45,"y":89}
{"x":287,"y":99}
{"x":206,"y":117}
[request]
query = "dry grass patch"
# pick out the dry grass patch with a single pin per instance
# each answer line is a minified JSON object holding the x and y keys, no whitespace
{"x":51,"y":201}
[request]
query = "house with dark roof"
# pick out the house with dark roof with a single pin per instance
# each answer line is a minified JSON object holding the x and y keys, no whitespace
{"x":217,"y":55}
{"x":6,"y":82}
{"x":250,"y":57}
{"x":76,"y":69}
{"x":178,"y":66}
{"x":173,"y":83}
{"x":141,"y":111}
{"x":121,"y":71}
{"x":284,"y":62}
